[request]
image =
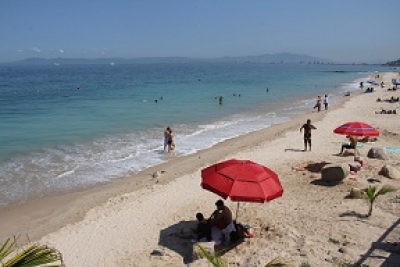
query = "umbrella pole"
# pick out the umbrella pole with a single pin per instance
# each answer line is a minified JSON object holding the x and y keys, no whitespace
{"x":237,"y":212}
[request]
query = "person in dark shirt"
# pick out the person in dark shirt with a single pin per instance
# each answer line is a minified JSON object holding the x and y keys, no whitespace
{"x":203,"y":230}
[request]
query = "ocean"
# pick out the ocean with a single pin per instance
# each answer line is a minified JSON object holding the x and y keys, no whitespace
{"x":67,"y":127}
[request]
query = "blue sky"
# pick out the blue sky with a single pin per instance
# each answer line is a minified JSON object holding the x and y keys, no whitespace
{"x":343,"y":31}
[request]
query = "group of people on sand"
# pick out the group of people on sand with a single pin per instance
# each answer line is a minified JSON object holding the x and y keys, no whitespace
{"x":218,"y":227}
{"x":307,"y":127}
{"x":169,"y":144}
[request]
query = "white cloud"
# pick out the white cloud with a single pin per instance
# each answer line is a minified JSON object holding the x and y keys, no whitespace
{"x":62,"y":51}
{"x":36,"y":49}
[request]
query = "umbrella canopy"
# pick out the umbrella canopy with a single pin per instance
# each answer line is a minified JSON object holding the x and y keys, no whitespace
{"x":356,"y":128}
{"x":242,"y":180}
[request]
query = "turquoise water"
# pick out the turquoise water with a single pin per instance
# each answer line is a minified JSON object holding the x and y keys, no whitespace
{"x":71,"y":126}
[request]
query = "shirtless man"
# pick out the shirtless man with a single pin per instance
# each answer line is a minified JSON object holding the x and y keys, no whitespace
{"x":307,"y":133}
{"x":352,"y":145}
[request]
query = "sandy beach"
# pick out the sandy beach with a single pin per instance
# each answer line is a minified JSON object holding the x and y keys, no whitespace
{"x":122,"y":223}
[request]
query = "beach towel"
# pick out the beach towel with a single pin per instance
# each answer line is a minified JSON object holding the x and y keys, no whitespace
{"x":395,"y":150}
{"x":357,"y":146}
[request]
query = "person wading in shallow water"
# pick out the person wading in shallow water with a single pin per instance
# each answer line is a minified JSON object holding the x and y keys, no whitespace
{"x":307,"y":133}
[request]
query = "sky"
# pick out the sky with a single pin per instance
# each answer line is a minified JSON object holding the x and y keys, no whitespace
{"x":342,"y":30}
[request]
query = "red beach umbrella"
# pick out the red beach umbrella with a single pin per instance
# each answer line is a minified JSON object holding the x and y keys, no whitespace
{"x":242,"y":180}
{"x":356,"y":128}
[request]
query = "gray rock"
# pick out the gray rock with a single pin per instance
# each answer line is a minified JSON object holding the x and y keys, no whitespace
{"x":390,"y":172}
{"x":157,"y":252}
{"x":377,"y":153}
{"x":335,"y":172}
{"x":356,"y":193}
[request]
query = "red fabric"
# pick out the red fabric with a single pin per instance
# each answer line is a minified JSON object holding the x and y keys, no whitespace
{"x":242,"y":180}
{"x":356,"y":128}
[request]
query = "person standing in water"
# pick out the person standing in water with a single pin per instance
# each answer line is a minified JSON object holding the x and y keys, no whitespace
{"x":167,"y":139}
{"x":307,"y":134}
{"x":326,"y":101}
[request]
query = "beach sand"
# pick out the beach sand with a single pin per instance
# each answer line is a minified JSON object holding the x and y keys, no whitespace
{"x":123,"y":223}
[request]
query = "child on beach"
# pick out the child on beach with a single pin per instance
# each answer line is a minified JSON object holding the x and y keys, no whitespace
{"x":203,"y":230}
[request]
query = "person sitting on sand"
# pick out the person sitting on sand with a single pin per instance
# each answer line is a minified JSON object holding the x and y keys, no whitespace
{"x":352,"y":145}
{"x":384,"y":111}
{"x":221,"y":223}
{"x":203,"y":230}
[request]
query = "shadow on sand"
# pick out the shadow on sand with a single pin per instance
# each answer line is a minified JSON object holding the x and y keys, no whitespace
{"x":353,"y":214}
{"x":294,"y":150}
{"x":383,"y":249}
{"x":177,"y":238}
{"x":321,"y":182}
{"x":316,"y":167}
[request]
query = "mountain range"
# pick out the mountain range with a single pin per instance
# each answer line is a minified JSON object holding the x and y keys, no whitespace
{"x":279,"y":58}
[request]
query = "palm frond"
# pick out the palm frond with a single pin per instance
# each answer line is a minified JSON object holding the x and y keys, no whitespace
{"x":31,"y":256}
{"x":216,"y":261}
{"x":7,"y":248}
{"x":372,"y":194}
{"x":386,"y":189}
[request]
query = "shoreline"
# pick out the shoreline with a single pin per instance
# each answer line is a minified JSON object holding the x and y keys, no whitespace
{"x":123,"y":222}
{"x":70,"y":207}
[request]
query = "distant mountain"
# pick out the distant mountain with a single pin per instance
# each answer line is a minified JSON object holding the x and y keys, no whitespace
{"x":395,"y":63}
{"x":280,"y":58}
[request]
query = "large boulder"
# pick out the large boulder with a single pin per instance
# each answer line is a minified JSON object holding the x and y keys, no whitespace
{"x":356,"y":193}
{"x":335,"y":172}
{"x":377,"y":153}
{"x":390,"y":172}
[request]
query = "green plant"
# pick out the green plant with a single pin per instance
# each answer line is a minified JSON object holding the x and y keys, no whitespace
{"x":31,"y":256}
{"x":215,"y":260}
{"x":372,"y":193}
{"x":305,"y":264}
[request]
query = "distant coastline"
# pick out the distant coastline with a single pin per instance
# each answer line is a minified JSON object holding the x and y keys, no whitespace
{"x":279,"y":58}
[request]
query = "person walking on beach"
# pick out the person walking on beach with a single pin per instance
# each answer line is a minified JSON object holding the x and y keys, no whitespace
{"x":307,"y":134}
{"x":326,"y":101}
